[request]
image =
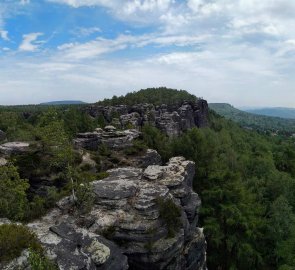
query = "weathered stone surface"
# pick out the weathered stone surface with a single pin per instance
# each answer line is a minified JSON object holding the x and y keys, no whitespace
{"x":14,"y":147}
{"x":150,"y":157}
{"x":127,"y":213}
{"x":172,"y":120}
{"x":73,"y":247}
{"x":112,"y":138}
{"x":132,"y":119}
{"x":3,"y":161}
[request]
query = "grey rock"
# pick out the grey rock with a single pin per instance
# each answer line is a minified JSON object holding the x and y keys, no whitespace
{"x":126,"y":219}
{"x":14,"y":148}
{"x":172,"y":120}
{"x":126,"y":202}
{"x":112,"y":138}
{"x":3,"y":161}
{"x":150,"y":157}
{"x":132,"y":119}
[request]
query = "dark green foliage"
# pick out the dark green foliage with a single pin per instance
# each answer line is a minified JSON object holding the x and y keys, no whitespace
{"x":39,"y":262}
{"x":104,"y":150}
{"x":137,"y":148}
{"x":108,"y":232}
{"x":156,"y":96}
{"x":170,"y":213}
{"x":85,"y":197}
{"x":14,"y":239}
{"x":247,"y":190}
{"x":261,"y":123}
{"x":13,"y":198}
{"x":155,"y":139}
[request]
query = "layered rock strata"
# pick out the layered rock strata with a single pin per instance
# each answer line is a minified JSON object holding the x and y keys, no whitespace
{"x":126,"y":228}
{"x":109,"y":136}
{"x":172,"y":120}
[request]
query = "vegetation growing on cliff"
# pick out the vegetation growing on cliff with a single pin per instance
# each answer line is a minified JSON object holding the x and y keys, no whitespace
{"x":260,"y":123}
{"x":156,"y":96}
{"x":246,"y":182}
{"x":14,"y":239}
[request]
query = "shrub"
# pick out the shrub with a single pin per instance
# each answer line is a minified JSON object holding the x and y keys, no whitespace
{"x":108,"y":232}
{"x":138,"y":147}
{"x":170,"y":213}
{"x":13,"y":198}
{"x":102,"y":175}
{"x":14,"y":239}
{"x":104,"y":150}
{"x":85,"y":198}
{"x":39,"y":262}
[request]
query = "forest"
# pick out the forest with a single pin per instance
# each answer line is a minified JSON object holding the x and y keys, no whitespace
{"x":261,"y":123}
{"x":246,"y":179}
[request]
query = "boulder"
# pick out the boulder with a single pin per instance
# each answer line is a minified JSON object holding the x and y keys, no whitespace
{"x":3,"y":161}
{"x":150,"y":157}
{"x":14,"y":148}
{"x":112,"y":138}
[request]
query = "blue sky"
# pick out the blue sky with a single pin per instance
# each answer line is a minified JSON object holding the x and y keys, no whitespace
{"x":241,"y":51}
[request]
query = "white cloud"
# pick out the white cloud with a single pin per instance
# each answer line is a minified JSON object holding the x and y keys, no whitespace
{"x":225,"y":49}
{"x":24,"y":2}
{"x":84,"y":32}
{"x":102,"y":46}
{"x":30,"y":43}
{"x":4,"y":35}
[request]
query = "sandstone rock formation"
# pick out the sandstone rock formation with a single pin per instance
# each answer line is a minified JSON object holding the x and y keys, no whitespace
{"x":126,"y":204}
{"x":14,"y":148}
{"x":112,"y":138}
{"x":170,"y":119}
{"x":126,"y":228}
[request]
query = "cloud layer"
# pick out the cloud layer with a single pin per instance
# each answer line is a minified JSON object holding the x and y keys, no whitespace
{"x":240,"y":52}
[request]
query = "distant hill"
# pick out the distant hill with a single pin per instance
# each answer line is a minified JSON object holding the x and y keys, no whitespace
{"x":63,"y":102}
{"x":254,"y":121}
{"x":156,"y":96}
{"x":276,"y":112}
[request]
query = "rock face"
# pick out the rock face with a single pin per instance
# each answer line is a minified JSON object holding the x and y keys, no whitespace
{"x":172,"y":120}
{"x":14,"y":148}
{"x":111,"y":137}
{"x":126,"y":228}
{"x":127,"y":212}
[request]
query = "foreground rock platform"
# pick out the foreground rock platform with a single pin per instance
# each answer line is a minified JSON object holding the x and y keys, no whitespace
{"x":125,"y":229}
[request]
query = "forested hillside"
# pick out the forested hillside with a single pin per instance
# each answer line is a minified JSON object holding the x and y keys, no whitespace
{"x":156,"y":96}
{"x":288,"y":113}
{"x":246,"y":180}
{"x":261,"y":123}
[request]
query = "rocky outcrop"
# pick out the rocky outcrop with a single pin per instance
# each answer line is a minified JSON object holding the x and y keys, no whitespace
{"x":150,"y":157}
{"x":127,"y":212}
{"x":172,"y":120}
{"x":14,"y":148}
{"x":126,"y":228}
{"x":109,"y":136}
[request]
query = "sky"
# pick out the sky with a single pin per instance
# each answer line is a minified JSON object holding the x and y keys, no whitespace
{"x":237,"y":51}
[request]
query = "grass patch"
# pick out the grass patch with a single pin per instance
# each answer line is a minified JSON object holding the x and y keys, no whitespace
{"x":170,"y":213}
{"x":14,"y":239}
